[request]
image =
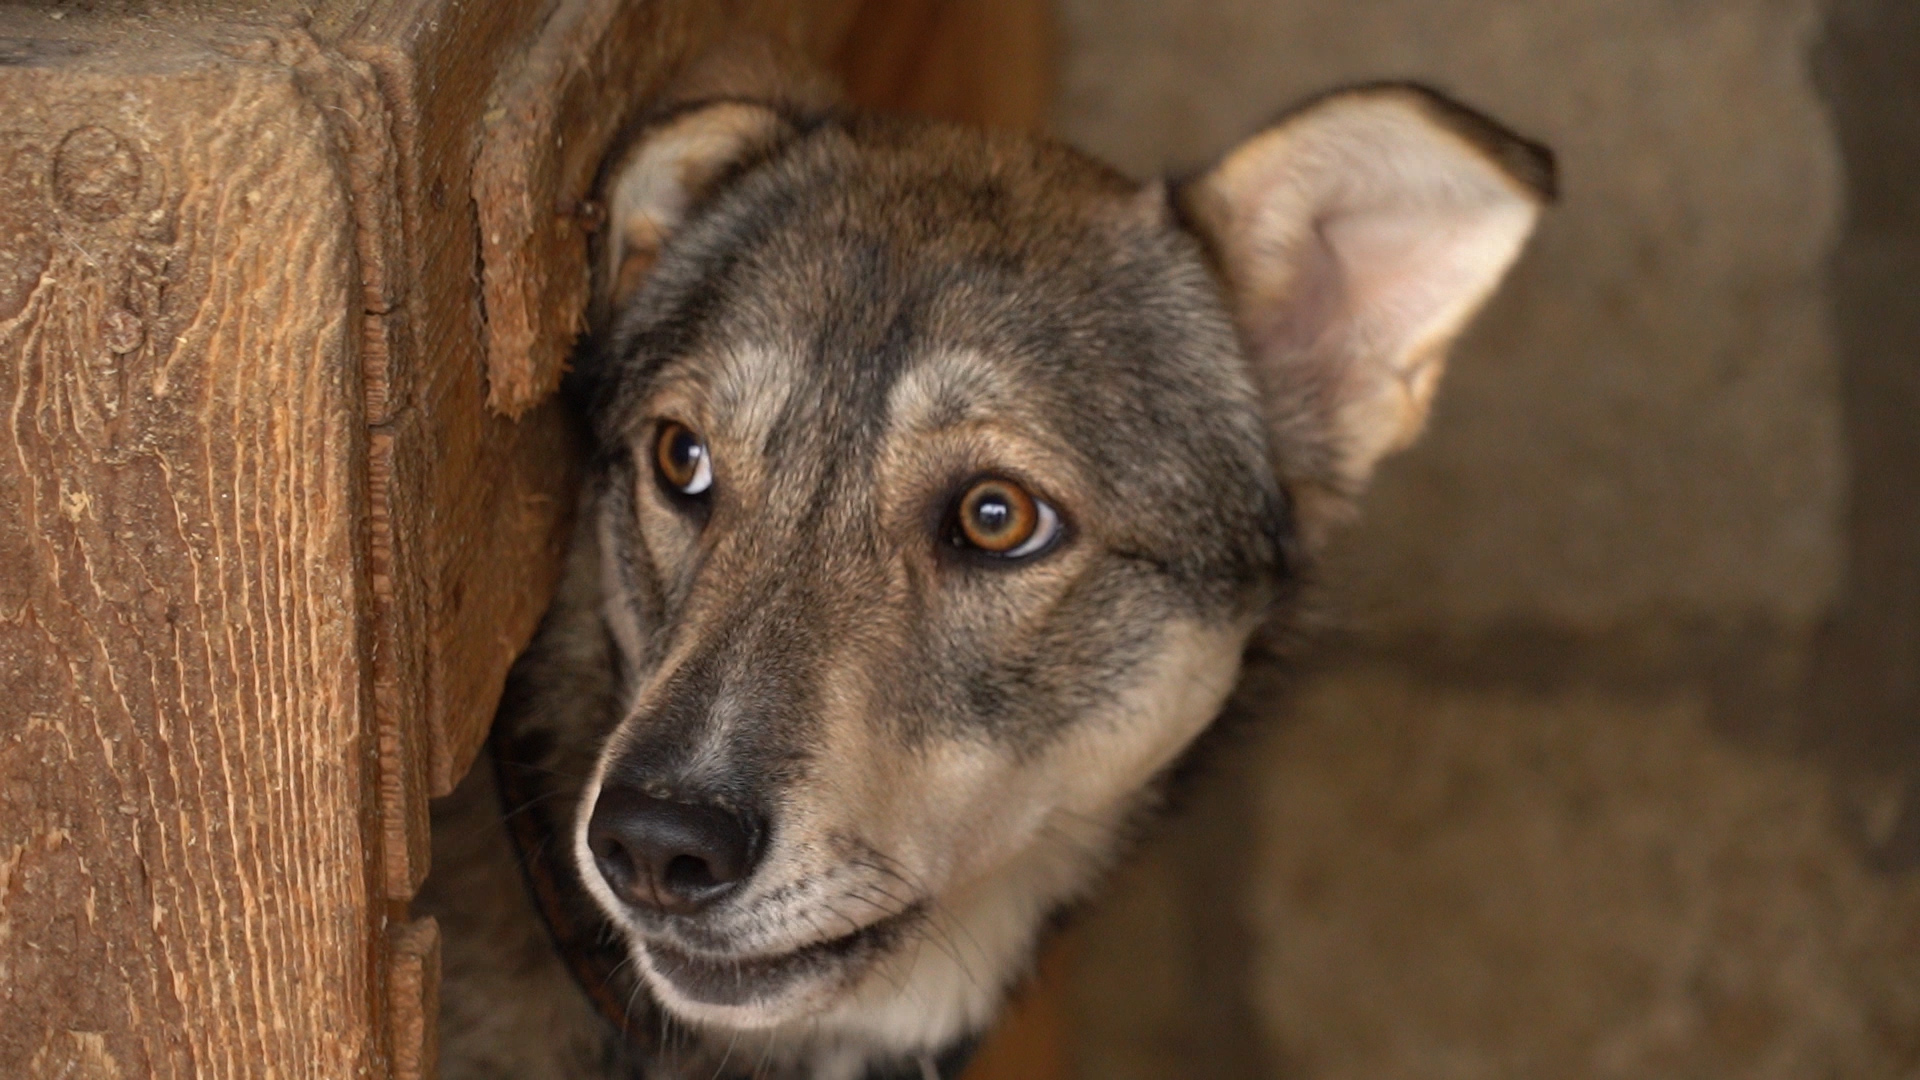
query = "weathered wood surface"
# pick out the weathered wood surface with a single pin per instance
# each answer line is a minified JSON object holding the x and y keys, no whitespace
{"x":444,"y":522}
{"x":467,"y":509}
{"x":183,"y":686}
{"x":414,"y":985}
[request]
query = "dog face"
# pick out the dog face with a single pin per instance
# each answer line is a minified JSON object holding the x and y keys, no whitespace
{"x":943,"y":478}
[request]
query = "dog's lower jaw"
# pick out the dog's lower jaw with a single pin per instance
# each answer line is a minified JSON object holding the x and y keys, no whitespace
{"x":760,"y":993}
{"x":942,"y":982}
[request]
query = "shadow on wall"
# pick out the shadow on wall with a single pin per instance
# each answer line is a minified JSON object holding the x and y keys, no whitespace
{"x":1609,"y":764}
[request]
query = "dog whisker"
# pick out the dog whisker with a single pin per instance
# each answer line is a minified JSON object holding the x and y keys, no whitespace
{"x":892,"y":867}
{"x":728,"y":1056}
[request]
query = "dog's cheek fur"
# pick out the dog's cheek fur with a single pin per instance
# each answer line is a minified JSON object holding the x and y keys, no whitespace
{"x":1005,"y":838}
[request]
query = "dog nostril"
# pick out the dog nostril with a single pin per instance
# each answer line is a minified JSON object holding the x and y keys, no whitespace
{"x":672,"y":856}
{"x":611,"y":857}
{"x":687,"y":873}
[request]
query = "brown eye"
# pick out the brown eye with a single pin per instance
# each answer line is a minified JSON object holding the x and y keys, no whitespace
{"x":999,"y":517}
{"x":682,"y":459}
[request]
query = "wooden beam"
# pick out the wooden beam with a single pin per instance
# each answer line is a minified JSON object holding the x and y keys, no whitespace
{"x":468,"y":509}
{"x":184,"y":888}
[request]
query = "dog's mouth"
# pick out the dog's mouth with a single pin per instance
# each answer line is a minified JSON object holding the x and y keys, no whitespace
{"x":734,"y":980}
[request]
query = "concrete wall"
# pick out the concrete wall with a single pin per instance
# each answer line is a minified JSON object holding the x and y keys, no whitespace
{"x":1608,"y":760}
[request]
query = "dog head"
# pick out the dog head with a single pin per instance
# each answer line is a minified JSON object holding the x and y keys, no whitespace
{"x":943,"y":478}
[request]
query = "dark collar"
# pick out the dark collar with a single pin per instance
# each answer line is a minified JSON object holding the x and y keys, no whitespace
{"x":589,"y":945}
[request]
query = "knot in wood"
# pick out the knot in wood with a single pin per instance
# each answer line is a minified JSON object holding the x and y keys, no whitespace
{"x":96,"y":174}
{"x":122,"y":331}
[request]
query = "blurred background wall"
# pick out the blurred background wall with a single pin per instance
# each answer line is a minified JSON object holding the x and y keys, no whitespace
{"x":1606,"y":762}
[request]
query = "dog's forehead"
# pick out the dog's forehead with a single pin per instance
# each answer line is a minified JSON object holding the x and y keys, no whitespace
{"x":864,"y":279}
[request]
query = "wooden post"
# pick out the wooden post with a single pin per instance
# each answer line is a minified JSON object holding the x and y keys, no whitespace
{"x":183,"y":680}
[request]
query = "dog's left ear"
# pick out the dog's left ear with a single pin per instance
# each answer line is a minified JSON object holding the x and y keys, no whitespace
{"x":1356,"y":237}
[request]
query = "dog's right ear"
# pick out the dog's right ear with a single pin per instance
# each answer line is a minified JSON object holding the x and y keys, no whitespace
{"x":669,"y":166}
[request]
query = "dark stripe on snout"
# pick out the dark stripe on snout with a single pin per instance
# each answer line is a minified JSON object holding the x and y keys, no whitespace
{"x":735,"y":723}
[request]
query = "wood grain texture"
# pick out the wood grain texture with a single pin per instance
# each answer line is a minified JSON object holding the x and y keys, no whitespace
{"x":183,"y":695}
{"x":347,"y":94}
{"x":470,"y":508}
{"x":414,"y":1018}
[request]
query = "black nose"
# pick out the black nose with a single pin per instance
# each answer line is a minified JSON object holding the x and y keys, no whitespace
{"x":671,"y":856}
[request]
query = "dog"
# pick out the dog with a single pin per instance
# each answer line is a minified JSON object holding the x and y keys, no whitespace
{"x":940,"y":480}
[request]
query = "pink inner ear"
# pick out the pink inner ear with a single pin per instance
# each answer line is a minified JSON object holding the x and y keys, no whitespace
{"x":1357,"y":237}
{"x":1366,"y":287}
{"x":1406,"y":275}
{"x":1313,"y":306}
{"x":1347,"y":321}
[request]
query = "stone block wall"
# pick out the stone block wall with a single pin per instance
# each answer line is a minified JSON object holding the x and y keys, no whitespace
{"x":1606,"y":762}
